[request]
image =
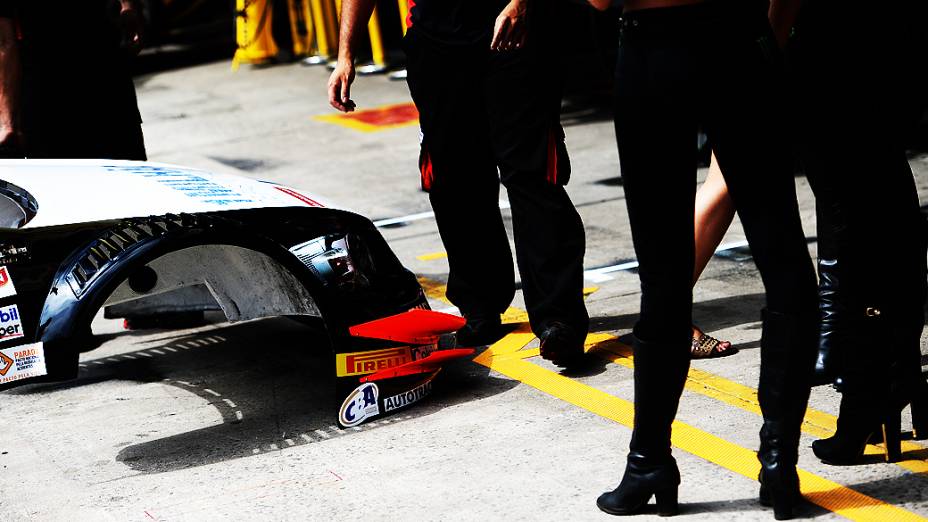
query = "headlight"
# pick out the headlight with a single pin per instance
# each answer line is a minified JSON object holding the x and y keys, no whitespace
{"x":330,"y":259}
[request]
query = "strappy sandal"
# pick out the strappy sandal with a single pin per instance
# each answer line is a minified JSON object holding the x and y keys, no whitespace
{"x":706,"y":347}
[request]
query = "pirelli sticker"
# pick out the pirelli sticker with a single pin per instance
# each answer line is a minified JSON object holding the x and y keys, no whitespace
{"x":364,"y":363}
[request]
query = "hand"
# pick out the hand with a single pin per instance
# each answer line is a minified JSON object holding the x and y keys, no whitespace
{"x":340,"y":85}
{"x":133,"y":26}
{"x":510,"y":29}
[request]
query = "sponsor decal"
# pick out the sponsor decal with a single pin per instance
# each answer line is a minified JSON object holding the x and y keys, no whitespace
{"x":22,"y":362}
{"x":10,"y":325}
{"x":359,"y":405}
{"x":405,"y":399}
{"x":6,"y":283}
{"x":365,"y":363}
{"x":197,"y":185}
{"x":10,"y":254}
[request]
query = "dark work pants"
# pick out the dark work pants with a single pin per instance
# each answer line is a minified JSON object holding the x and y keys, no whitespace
{"x":489,"y":117}
{"x":859,"y":94}
{"x":718,"y":66}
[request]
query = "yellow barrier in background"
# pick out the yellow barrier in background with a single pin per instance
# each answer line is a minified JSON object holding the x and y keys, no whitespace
{"x":314,"y":26}
{"x":253,"y":32}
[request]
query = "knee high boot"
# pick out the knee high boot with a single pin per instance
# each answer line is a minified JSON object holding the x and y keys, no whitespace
{"x":788,"y":351}
{"x":660,"y":374}
{"x":825,"y":363}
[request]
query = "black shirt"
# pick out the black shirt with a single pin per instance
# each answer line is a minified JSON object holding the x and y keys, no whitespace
{"x":456,"y":21}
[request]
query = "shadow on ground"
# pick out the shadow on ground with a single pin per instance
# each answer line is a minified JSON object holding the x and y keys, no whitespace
{"x":271,"y":381}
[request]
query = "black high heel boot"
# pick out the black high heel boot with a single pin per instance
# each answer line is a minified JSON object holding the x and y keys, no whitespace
{"x":660,"y":373}
{"x":875,"y":391}
{"x":825,"y":371}
{"x":787,"y":362}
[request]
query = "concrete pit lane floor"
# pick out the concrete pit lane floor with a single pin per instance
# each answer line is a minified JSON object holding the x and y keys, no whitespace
{"x":236,"y":422}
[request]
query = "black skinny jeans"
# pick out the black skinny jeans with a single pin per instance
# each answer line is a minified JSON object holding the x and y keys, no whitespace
{"x":716,"y":65}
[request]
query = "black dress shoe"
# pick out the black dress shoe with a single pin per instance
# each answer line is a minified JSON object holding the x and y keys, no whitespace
{"x":562,"y":344}
{"x":480,"y":331}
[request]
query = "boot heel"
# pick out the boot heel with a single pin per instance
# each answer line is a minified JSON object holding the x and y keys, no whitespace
{"x":783,"y":505}
{"x":919,"y":408}
{"x":892,"y":440}
{"x":667,"y":502}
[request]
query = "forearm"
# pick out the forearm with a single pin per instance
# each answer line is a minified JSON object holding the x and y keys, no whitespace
{"x":9,"y":77}
{"x":354,"y":16}
{"x":782,"y":15}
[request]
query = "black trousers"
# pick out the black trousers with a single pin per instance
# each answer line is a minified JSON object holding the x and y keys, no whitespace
{"x":855,"y":157}
{"x":718,"y":66}
{"x":488,"y":117}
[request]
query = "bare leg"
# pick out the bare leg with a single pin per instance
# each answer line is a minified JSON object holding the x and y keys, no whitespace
{"x":714,"y":214}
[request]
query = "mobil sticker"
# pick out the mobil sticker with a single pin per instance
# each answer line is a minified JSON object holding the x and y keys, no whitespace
{"x":6,"y":283}
{"x":10,"y":325}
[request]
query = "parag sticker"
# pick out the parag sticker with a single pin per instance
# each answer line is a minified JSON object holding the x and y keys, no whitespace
{"x":22,"y":362}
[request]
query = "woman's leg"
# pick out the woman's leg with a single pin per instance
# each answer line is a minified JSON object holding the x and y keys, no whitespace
{"x":714,"y":213}
{"x":750,"y":137}
{"x":655,"y":124}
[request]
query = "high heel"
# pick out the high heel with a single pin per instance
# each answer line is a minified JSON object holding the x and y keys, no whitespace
{"x":892,"y":439}
{"x":641,"y":481}
{"x":667,"y":502}
{"x":919,"y":408}
{"x":783,"y":498}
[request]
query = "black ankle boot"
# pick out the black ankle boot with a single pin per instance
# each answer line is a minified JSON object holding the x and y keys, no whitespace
{"x":858,"y":423}
{"x":642,"y":480}
{"x":825,"y":371}
{"x":787,"y":362}
{"x":660,"y":373}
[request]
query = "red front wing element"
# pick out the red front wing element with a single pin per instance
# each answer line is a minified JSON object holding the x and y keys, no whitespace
{"x":413,"y":327}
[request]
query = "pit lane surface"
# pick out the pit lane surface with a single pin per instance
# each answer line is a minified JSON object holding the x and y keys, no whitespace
{"x":236,"y":421}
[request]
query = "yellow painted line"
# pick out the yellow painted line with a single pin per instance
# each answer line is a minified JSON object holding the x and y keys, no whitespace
{"x":434,"y":289}
{"x":816,"y":423}
{"x":433,"y":256}
{"x":588,"y":291}
{"x":509,"y":358}
{"x":830,"y":495}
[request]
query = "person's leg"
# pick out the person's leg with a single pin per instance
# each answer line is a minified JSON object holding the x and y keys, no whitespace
{"x":655,"y":124}
{"x":881,"y":254}
{"x":714,"y":214}
{"x":528,"y":142}
{"x":746,"y":126}
{"x":461,"y":177}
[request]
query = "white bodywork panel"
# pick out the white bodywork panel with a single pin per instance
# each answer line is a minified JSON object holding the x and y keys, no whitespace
{"x":246,"y":284}
{"x":81,"y":191}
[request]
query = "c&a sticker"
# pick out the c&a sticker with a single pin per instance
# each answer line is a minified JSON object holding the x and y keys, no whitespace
{"x":22,"y":362}
{"x":10,"y":325}
{"x":6,"y":283}
{"x":359,"y":405}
